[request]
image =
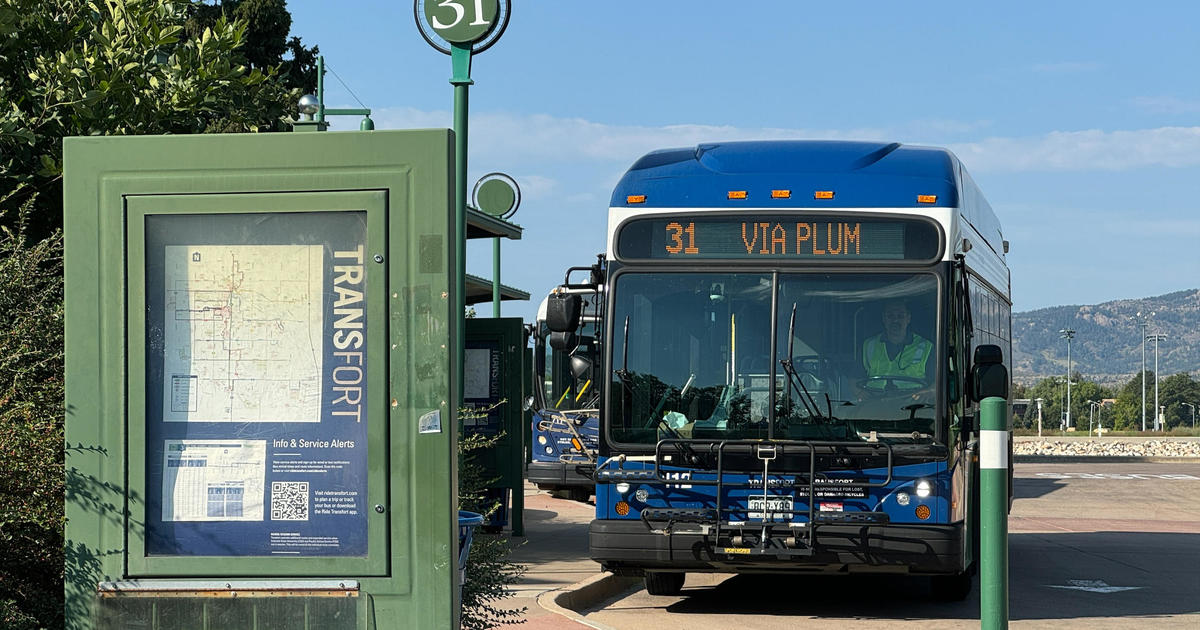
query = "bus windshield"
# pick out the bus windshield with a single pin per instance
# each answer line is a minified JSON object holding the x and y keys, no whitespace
{"x":854,"y":356}
{"x":561,"y":389}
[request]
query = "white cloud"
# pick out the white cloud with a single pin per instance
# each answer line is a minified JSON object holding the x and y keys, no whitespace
{"x":544,"y":137}
{"x":1090,"y":150}
{"x":533,"y":143}
{"x":536,"y":186}
{"x":941,"y":127}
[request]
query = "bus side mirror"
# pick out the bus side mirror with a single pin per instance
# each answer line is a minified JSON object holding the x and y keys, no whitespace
{"x":563,"y":311}
{"x":989,"y":376}
{"x":563,"y":341}
{"x":580,"y":367}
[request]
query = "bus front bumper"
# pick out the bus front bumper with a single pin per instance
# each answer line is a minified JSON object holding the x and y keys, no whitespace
{"x":627,"y":547}
{"x":552,"y":475}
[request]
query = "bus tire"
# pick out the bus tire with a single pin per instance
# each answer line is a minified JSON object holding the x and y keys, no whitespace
{"x":661,"y":583}
{"x":581,"y":495}
{"x":951,"y":588}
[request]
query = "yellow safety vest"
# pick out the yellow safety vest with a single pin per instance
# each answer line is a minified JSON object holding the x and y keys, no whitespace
{"x":909,"y":362}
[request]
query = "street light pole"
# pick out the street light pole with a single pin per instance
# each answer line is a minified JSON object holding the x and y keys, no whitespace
{"x":1156,"y":337}
{"x":1143,"y":376}
{"x":1068,"y":334}
{"x":1193,"y":406}
{"x":1062,"y":414}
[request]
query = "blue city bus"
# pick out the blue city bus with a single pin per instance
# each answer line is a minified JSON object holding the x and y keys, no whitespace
{"x":752,"y":292}
{"x":566,"y":398}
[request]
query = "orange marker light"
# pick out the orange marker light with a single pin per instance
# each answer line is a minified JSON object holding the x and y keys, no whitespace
{"x":737,"y":194}
{"x":922,"y":512}
{"x":577,"y":444}
{"x":823,"y":194}
{"x":622,"y":508}
{"x":781,"y":194}
{"x":635,"y":199}
{"x":926,"y":198}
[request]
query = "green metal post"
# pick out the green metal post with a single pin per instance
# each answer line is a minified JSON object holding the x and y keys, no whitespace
{"x":496,"y":277}
{"x":993,"y":518}
{"x":460,"y":61}
{"x":321,"y":88}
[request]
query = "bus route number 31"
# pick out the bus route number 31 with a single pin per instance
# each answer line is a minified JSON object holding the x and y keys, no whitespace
{"x":460,"y":20}
{"x":676,"y":233}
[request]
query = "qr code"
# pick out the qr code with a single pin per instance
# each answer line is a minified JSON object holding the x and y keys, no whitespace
{"x":289,"y":500}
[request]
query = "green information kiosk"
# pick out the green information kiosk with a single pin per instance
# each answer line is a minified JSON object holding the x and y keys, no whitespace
{"x":260,"y":335}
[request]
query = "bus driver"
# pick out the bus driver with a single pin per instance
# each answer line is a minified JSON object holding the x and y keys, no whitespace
{"x":896,"y":358}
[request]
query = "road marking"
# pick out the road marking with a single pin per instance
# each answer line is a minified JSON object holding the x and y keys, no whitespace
{"x":1082,"y":475}
{"x":1093,"y":586}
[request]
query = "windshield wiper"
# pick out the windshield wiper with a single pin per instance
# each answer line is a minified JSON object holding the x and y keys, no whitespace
{"x":797,"y":383}
{"x":623,"y":373}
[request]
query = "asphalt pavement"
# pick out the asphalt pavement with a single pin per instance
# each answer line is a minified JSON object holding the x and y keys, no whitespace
{"x":1103,"y":545}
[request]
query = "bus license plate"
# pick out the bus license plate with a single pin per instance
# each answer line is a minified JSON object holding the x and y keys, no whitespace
{"x":774,"y":504}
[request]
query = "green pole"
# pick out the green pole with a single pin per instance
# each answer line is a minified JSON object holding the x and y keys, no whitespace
{"x":321,"y":88}
{"x":993,"y":518}
{"x":460,"y":60}
{"x":496,"y":277}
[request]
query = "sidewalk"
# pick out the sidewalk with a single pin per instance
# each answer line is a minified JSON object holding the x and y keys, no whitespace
{"x":555,"y":550}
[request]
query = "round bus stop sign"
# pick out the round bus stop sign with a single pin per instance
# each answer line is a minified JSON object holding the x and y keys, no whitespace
{"x":461,"y":21}
{"x":497,"y":194}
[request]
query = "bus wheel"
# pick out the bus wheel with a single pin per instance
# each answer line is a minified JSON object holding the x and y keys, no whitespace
{"x":580,"y":494}
{"x":951,"y":588}
{"x":659,"y":583}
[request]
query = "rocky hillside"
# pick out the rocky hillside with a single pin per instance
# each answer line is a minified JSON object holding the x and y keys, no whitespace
{"x":1107,"y":345}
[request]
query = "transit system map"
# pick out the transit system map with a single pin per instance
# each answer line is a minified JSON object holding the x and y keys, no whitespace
{"x":243,"y":333}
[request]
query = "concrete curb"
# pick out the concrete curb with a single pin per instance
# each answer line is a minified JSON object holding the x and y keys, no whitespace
{"x":1101,"y":459}
{"x":571,"y":600}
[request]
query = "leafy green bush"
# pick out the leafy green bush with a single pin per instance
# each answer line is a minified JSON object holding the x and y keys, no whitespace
{"x":31,"y":429}
{"x":489,"y":571}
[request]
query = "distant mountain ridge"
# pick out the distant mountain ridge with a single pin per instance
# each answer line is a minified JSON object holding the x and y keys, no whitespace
{"x":1107,"y":347}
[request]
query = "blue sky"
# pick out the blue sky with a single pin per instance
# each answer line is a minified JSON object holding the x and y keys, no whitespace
{"x":1080,"y":121}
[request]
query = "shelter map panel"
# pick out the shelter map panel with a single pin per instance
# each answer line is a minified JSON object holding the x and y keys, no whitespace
{"x":256,"y":384}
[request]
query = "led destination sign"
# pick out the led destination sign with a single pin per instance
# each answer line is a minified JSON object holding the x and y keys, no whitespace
{"x":778,"y":237}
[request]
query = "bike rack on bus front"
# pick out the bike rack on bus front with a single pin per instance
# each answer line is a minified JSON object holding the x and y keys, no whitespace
{"x":558,"y":422}
{"x":765,"y":451}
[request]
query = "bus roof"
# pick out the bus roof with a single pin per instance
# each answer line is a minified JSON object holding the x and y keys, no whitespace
{"x":860,"y":174}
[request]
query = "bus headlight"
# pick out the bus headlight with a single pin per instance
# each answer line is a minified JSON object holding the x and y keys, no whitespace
{"x":622,"y":487}
{"x":902,"y":498}
{"x":641,"y":495}
{"x":924,"y":488}
{"x":542,"y":440}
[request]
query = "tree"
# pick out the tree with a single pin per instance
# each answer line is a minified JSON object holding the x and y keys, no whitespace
{"x":82,"y":67}
{"x":92,"y":67}
{"x":1173,"y":391}
{"x":1053,"y":392}
{"x":267,"y":43}
{"x":1127,"y":413}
